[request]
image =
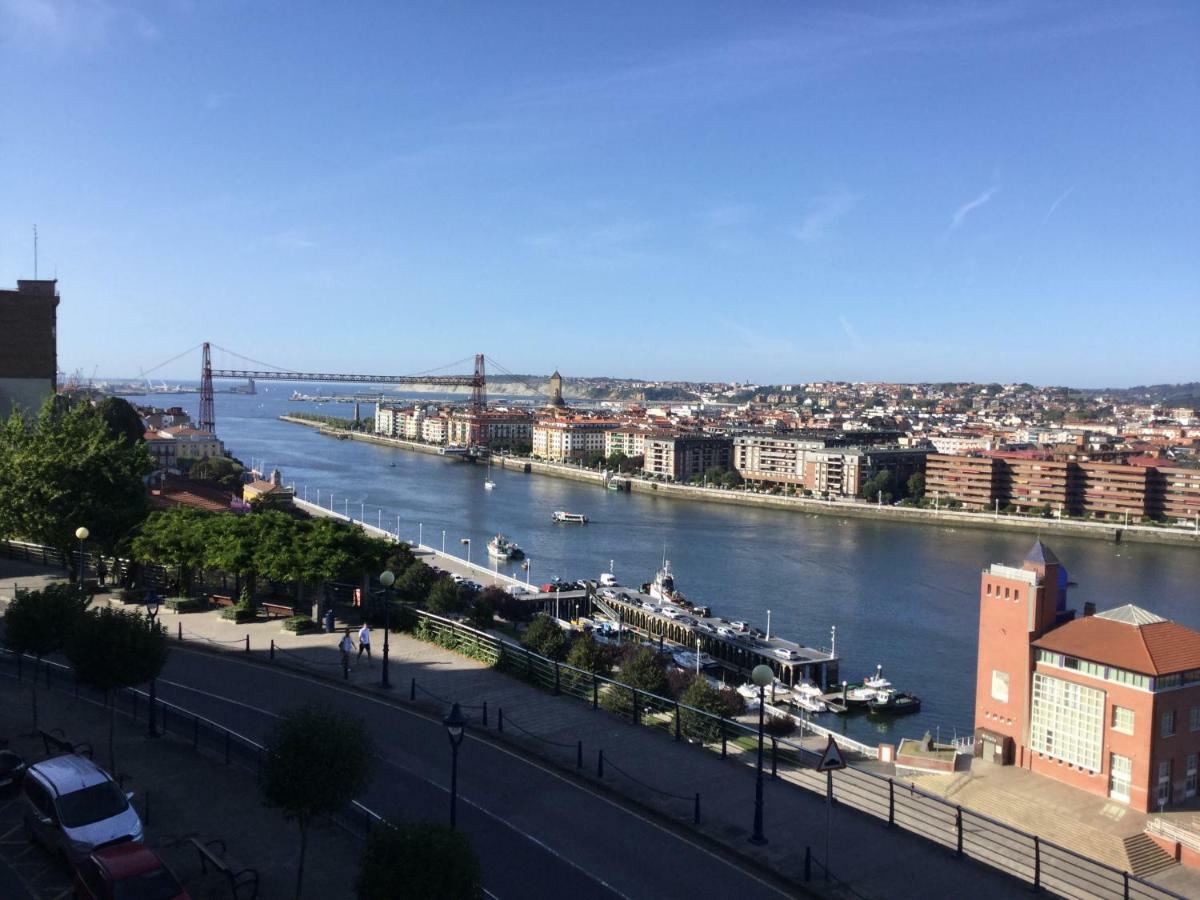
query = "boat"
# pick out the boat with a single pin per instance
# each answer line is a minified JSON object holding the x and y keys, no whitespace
{"x":569,"y":517}
{"x":489,"y":484}
{"x":663,"y":585}
{"x":877,"y":681}
{"x":501,"y":547}
{"x":808,"y":696}
{"x":893,"y":703}
{"x":690,"y":661}
{"x":612,"y":484}
{"x":749,"y":693}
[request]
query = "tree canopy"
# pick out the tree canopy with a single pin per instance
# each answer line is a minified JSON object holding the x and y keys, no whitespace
{"x":545,"y":637}
{"x":418,"y":861}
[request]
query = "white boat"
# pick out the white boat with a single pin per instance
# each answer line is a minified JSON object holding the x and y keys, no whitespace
{"x":501,"y":547}
{"x":749,"y":693}
{"x":569,"y":517}
{"x":877,"y":681}
{"x":687,"y":660}
{"x":808,"y":696}
{"x":663,"y":585}
{"x":489,"y":484}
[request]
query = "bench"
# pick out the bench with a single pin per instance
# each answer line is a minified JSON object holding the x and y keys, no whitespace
{"x":59,"y":746}
{"x":216,"y":858}
{"x":284,"y":610}
{"x":221,"y":600}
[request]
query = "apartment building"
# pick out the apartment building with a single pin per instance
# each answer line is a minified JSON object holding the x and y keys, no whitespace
{"x":1109,"y":703}
{"x":680,"y":457}
{"x":28,"y":346}
{"x":630,"y":442}
{"x":773,"y":458}
{"x":1179,"y":490}
{"x":974,"y":481}
{"x":1114,"y":489}
{"x":1037,"y":481}
{"x":490,"y":426}
{"x":434,"y":429}
{"x":561,"y":440}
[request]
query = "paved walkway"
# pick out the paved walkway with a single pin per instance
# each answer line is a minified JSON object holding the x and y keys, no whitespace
{"x":643,"y":763}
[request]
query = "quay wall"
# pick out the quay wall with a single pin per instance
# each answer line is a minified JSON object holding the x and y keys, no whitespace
{"x":845,"y":509}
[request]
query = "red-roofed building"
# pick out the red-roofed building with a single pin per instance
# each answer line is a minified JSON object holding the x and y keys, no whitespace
{"x":1109,"y":703}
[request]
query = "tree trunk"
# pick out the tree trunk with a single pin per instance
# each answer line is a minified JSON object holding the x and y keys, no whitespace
{"x":303,"y":820}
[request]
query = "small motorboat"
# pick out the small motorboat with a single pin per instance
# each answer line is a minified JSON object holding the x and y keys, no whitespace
{"x":569,"y":518}
{"x":893,"y":703}
{"x":501,"y":547}
{"x":808,"y":696}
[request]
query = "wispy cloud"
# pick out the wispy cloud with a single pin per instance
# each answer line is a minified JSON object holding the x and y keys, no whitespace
{"x":1054,"y":206}
{"x":71,"y":24}
{"x":852,"y":335}
{"x":970,"y":206}
{"x":825,"y":210}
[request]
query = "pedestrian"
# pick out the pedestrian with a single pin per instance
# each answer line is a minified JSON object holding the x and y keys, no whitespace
{"x":364,"y":642}
{"x":346,"y":645}
{"x":101,"y":572}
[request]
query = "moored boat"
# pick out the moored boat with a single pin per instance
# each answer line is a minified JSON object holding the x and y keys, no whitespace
{"x":894,"y":703}
{"x":808,"y":696}
{"x":501,"y":547}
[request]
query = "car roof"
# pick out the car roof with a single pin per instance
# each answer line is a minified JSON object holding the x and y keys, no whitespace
{"x":126,"y":859}
{"x":69,"y":772}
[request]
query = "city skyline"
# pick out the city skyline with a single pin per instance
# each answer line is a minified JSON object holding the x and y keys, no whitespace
{"x":1003,"y":193}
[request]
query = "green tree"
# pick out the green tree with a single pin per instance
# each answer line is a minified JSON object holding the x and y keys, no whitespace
{"x":444,"y":598}
{"x":65,"y":470}
{"x":39,"y":622}
{"x":640,"y":668}
{"x":413,"y":862}
{"x":177,"y":537}
{"x":882,"y":484}
{"x":233,"y":543}
{"x":483,"y":613}
{"x":416,"y":583}
{"x":916,"y":485}
{"x":588,"y":654}
{"x":545,"y":637}
{"x":110,"y":649}
{"x":702,"y":696}
{"x":222,"y":470}
{"x":121,"y":419}
{"x":316,"y":761}
{"x":594,"y":459}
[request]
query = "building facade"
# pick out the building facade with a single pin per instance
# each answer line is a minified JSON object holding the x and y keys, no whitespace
{"x":28,"y":346}
{"x":974,"y":481}
{"x":561,"y":440}
{"x":1109,"y":702}
{"x":681,"y":457}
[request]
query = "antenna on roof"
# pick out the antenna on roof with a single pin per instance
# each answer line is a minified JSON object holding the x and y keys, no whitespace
{"x":35,"y":259}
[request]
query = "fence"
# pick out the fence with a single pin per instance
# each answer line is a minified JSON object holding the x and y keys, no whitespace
{"x":1172,"y":832}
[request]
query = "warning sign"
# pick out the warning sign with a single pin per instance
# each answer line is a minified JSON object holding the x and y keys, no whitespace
{"x":832,"y":758}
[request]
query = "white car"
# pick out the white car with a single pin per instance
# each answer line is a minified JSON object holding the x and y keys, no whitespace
{"x":726,"y":631}
{"x":788,"y":654}
{"x":671,"y":613}
{"x":73,"y":806}
{"x":739,"y":626}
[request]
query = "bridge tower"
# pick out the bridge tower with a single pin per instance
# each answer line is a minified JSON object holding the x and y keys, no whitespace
{"x":207,"y":420}
{"x":478,"y":401}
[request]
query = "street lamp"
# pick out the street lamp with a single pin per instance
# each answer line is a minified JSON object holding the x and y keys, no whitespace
{"x":467,"y":541}
{"x":443,"y":542}
{"x":525,"y":566}
{"x":153,"y":601}
{"x":82,"y":534}
{"x":387,"y":578}
{"x":762,"y":676}
{"x":456,"y":726}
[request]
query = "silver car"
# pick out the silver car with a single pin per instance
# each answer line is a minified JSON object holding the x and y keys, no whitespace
{"x":73,"y":806}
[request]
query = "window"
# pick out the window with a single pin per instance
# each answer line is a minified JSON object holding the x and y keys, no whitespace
{"x":1189,"y":786}
{"x":1122,"y":719}
{"x":1120,"y":777}
{"x":1194,"y":719}
{"x":1067,"y":721}
{"x":1163,"y":796}
{"x":1168,"y":723}
{"x":999,"y":685}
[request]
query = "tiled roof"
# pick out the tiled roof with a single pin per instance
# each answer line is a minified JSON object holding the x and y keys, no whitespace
{"x":1042,"y":555}
{"x":1158,"y":647}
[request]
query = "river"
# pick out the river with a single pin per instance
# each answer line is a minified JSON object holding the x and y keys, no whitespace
{"x":905,"y":596}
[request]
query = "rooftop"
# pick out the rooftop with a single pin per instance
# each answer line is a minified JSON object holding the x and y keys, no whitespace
{"x":1127,"y":637}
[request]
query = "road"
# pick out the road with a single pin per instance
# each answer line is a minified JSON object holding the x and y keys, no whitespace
{"x":538,"y":834}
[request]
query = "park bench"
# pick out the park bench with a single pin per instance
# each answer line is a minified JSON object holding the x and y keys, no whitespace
{"x":58,"y":746}
{"x":221,"y":600}
{"x":216,"y":858}
{"x":272,"y":609}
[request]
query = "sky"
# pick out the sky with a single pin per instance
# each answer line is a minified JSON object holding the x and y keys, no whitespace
{"x":767,"y":192}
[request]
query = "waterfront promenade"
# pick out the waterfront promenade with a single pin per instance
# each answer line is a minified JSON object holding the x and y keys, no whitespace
{"x":849,"y":508}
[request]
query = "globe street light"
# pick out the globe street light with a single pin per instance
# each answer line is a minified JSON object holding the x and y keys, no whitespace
{"x":387,"y":578}
{"x":762,"y":676}
{"x":82,"y":534}
{"x":456,"y":726}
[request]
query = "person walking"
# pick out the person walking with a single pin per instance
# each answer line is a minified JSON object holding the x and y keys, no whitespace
{"x":364,"y":642}
{"x":346,"y":645}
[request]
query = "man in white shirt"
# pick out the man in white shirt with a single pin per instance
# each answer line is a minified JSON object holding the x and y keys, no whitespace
{"x":364,"y":642}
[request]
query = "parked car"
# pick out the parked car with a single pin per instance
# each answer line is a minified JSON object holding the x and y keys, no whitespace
{"x":73,"y":806}
{"x":739,"y":626}
{"x":126,"y":870}
{"x":726,"y":631}
{"x":456,"y":578}
{"x":788,"y":654}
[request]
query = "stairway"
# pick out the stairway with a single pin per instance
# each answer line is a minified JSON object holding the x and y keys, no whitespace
{"x":1146,"y":857}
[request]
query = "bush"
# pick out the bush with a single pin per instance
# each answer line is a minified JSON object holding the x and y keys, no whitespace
{"x":779,"y":726}
{"x":418,"y":860}
{"x":482,"y":613}
{"x":299,"y":624}
{"x":133,"y":595}
{"x":704,"y":697}
{"x":588,"y":654}
{"x":239,"y":613}
{"x":184,"y":604}
{"x":545,"y":637}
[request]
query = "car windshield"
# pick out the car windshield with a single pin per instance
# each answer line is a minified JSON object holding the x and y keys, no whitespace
{"x":158,"y":884}
{"x":92,"y":804}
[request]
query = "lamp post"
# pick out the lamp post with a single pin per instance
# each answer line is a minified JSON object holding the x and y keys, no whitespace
{"x":762,"y":676}
{"x":443,"y":542}
{"x":82,"y":534}
{"x":387,"y":578}
{"x":525,"y":566}
{"x":467,"y":541}
{"x":152,"y":604}
{"x":456,"y":726}
{"x":420,"y":534}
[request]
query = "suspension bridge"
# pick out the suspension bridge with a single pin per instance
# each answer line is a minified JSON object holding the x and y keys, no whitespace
{"x":476,"y":382}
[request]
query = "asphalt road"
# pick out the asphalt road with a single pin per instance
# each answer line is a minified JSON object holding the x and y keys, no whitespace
{"x":538,"y":834}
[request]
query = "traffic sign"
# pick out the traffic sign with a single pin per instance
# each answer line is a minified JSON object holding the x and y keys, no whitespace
{"x":832,"y":758}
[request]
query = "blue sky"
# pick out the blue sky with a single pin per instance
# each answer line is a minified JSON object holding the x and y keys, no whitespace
{"x":767,"y":192}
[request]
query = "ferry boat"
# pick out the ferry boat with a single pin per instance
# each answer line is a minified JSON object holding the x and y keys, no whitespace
{"x":808,"y":696}
{"x":501,"y":547}
{"x":893,"y":703}
{"x":569,"y":517}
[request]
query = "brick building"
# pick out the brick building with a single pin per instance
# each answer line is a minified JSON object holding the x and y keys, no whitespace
{"x":28,"y":346}
{"x":825,"y":466}
{"x":1108,"y":703}
{"x":560,"y":440}
{"x":974,"y":481}
{"x":680,"y":457}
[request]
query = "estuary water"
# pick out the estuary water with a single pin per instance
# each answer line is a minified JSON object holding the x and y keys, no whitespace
{"x":904,"y":596}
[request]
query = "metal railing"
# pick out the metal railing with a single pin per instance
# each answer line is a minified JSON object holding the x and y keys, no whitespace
{"x":1167,"y":829}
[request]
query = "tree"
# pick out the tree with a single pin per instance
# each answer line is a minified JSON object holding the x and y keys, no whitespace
{"x":916,"y":485}
{"x":316,"y":761}
{"x":545,"y":637}
{"x":512,"y":609}
{"x":222,"y":470}
{"x":416,"y":583}
{"x":418,"y":861}
{"x":483,"y":614}
{"x":640,"y":668}
{"x":587,"y":653}
{"x":65,"y":470}
{"x":444,"y":598}
{"x":39,"y":622}
{"x":121,"y":419}
{"x":110,"y":649}
{"x":178,"y":537}
{"x":882,"y":483}
{"x":702,"y":696}
{"x":594,"y":459}
{"x":400,"y":558}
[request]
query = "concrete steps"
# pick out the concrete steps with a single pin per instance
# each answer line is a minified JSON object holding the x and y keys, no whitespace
{"x":1145,"y":856}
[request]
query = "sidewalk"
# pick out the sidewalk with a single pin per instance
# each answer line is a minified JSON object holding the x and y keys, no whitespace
{"x":642,"y":763}
{"x":189,"y":795}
